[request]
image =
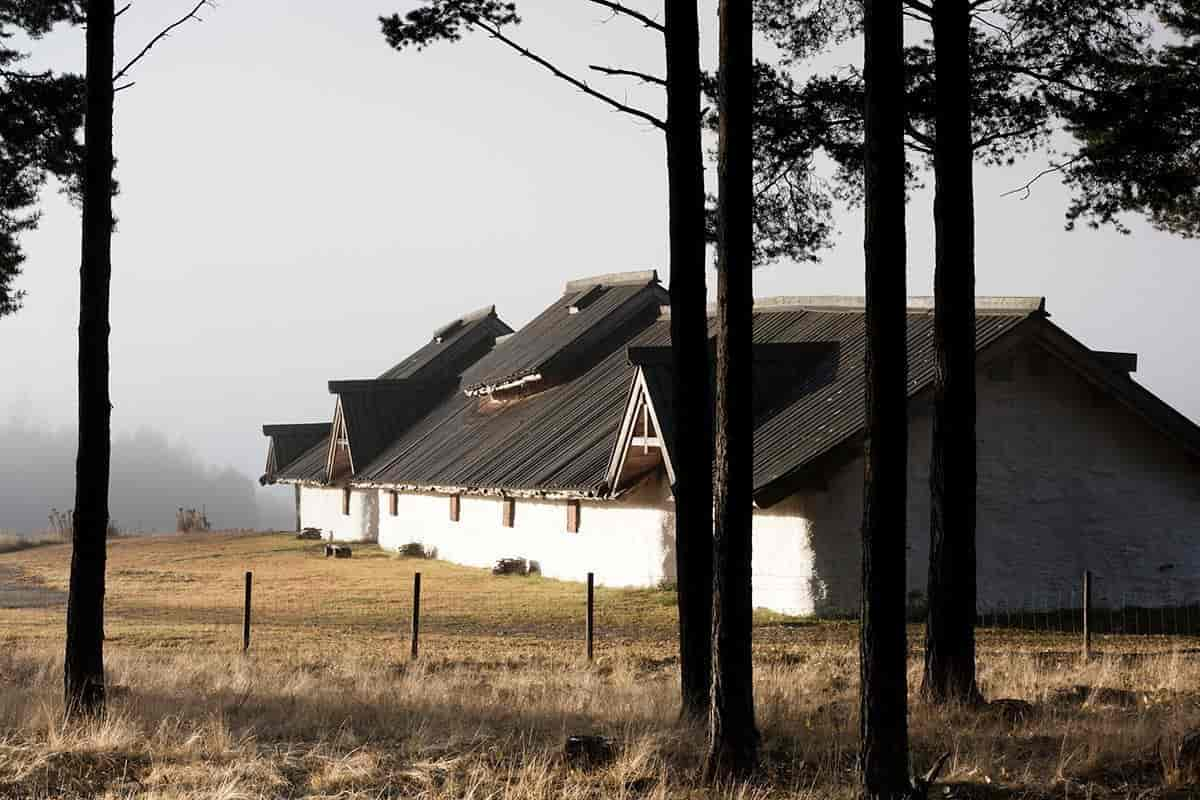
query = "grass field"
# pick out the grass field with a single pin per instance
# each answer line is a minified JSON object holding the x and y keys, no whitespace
{"x":328,"y":704}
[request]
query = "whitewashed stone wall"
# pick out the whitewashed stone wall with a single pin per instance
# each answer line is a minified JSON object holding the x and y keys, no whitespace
{"x":322,"y":508}
{"x":1068,"y":481}
{"x":1080,"y":483}
{"x":625,"y":543}
{"x":630,"y":542}
{"x":784,"y":564}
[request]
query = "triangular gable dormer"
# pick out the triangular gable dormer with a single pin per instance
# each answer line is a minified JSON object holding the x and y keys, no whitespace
{"x":288,"y":443}
{"x":641,"y":444}
{"x":340,"y":463}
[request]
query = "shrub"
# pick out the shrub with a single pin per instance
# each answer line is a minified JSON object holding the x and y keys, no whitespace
{"x":417,"y":550}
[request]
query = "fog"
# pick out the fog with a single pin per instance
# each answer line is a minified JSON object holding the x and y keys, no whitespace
{"x":151,"y":478}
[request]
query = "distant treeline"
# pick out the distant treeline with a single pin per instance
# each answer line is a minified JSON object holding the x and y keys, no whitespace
{"x":151,"y":480}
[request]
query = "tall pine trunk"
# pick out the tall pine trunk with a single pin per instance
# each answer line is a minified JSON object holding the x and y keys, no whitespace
{"x":883,"y":645}
{"x":83,"y":672}
{"x":733,"y":737}
{"x":693,"y":445}
{"x":950,"y":630}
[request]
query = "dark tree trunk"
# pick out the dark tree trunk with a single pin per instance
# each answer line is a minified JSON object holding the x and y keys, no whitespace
{"x":883,"y":692}
{"x":733,"y":736}
{"x":83,"y":672}
{"x":950,"y":630}
{"x":693,"y":447}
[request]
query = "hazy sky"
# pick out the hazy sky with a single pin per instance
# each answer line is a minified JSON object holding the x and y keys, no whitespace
{"x":300,"y":203}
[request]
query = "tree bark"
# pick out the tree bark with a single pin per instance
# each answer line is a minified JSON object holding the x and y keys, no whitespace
{"x":733,"y":736}
{"x":693,"y":445}
{"x":883,"y":693}
{"x":950,"y":629}
{"x":83,"y":669}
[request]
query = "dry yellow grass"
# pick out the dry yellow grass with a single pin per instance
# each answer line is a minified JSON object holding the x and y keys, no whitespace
{"x":327,"y":704}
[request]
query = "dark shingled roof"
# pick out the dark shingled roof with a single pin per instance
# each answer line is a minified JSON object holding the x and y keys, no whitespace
{"x":376,"y":412}
{"x":453,"y":347}
{"x":553,"y":439}
{"x":310,"y":467}
{"x":809,"y":413}
{"x":289,"y":442}
{"x":557,"y":340}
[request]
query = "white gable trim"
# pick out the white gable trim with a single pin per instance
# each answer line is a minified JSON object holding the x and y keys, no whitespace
{"x":639,"y":401}
{"x":338,"y":435}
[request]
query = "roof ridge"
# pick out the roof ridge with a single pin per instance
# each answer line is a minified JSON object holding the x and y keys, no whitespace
{"x":986,"y":304}
{"x":612,"y":279}
{"x":479,"y":313}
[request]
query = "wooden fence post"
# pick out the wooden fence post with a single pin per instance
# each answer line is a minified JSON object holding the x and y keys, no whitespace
{"x":591,"y":616}
{"x":1087,"y":614}
{"x":246,"y":614}
{"x":416,"y":620}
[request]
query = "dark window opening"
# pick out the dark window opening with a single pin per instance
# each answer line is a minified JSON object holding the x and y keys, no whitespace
{"x":583,"y":299}
{"x":509,"y":507}
{"x":455,"y":507}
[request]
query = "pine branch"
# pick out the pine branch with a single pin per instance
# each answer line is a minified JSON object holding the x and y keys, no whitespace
{"x":26,"y":76}
{"x":922,"y":138}
{"x":1005,"y":32}
{"x":618,"y":9}
{"x":984,"y":141}
{"x":556,"y":72}
{"x":923,"y":11}
{"x":1043,"y":77}
{"x":1052,"y":169}
{"x":643,"y":77}
{"x":193,"y":14}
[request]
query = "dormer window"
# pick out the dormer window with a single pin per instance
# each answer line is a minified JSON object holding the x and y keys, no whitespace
{"x":443,"y":332}
{"x":583,"y":299}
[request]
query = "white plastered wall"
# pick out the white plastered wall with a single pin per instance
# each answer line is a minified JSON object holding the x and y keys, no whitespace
{"x":321,"y":508}
{"x":1068,"y":481}
{"x":783,"y":558}
{"x":629,"y":542}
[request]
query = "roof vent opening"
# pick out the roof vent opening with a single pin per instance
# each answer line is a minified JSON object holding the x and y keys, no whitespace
{"x":441,"y":333}
{"x":583,"y":299}
{"x":1121,"y":362}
